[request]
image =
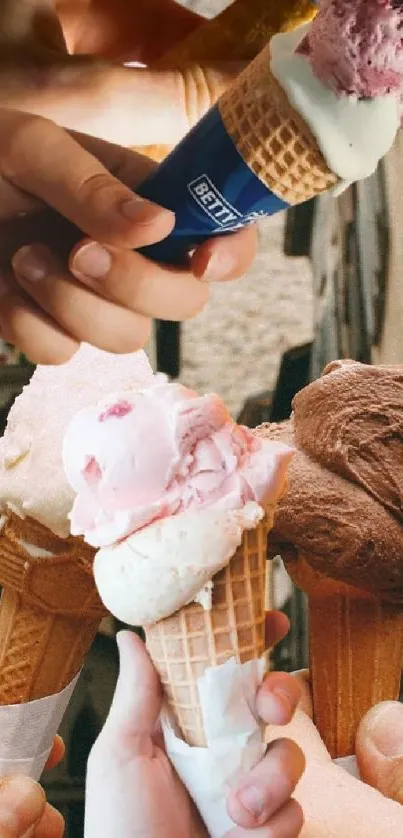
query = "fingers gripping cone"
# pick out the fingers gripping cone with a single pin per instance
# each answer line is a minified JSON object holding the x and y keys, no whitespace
{"x":237,"y":34}
{"x":49,"y":610}
{"x":183,"y":646}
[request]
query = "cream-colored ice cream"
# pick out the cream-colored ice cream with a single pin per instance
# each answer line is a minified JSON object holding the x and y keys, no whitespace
{"x":164,"y":566}
{"x":32,"y":478}
{"x":353,"y":133}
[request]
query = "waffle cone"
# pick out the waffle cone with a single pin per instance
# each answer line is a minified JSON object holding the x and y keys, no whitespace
{"x":49,"y":610}
{"x":272,"y":137}
{"x":183,"y":646}
{"x":356,"y":650}
{"x":237,"y":34}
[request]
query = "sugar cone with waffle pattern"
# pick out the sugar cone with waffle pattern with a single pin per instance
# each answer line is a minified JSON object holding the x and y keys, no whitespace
{"x":184,"y":645}
{"x":49,"y":610}
{"x":237,"y":34}
{"x":271,"y":137}
{"x":355,"y":654}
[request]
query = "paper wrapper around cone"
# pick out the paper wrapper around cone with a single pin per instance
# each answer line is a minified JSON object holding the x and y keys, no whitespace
{"x":185,"y":645}
{"x":49,"y":610}
{"x":237,"y":34}
{"x":271,"y":137}
{"x":356,"y":651}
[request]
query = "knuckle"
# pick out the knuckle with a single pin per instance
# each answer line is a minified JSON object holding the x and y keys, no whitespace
{"x":198,"y":301}
{"x":100,"y":186}
{"x":27,"y":133}
{"x":201,"y":86}
{"x":393,"y":788}
{"x":297,"y":815}
{"x":54,"y":353}
{"x":131,"y":338}
{"x":140,"y":335}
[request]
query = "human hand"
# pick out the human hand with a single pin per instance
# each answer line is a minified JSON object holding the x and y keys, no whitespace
{"x":84,"y":93}
{"x":62,"y":291}
{"x":133,"y":791}
{"x":23,"y":806}
{"x":335,"y":804}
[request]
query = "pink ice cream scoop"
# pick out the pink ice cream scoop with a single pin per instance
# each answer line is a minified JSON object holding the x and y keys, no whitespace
{"x":356,"y":47}
{"x":158,"y":452}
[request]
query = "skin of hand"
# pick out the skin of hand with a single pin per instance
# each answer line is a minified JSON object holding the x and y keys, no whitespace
{"x":337,"y":805}
{"x":61,"y":289}
{"x":23,"y":808}
{"x":91,"y":94}
{"x":132,"y":790}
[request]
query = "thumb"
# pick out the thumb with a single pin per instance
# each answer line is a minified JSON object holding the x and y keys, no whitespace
{"x":105,"y":101}
{"x":136,"y":705}
{"x":22,"y":804}
{"x":379,"y":749}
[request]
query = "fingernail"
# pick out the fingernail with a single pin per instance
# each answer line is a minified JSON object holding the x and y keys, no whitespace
{"x":141,"y":210}
{"x":219,"y":266}
{"x":252,"y":800}
{"x":130,"y":209}
{"x":22,"y":803}
{"x":385,"y":729}
{"x":29,"y":264}
{"x":278,"y":707}
{"x":91,"y":261}
{"x":286,"y":700}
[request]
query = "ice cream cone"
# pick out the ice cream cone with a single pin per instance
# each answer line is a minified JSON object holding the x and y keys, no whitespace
{"x":356,"y":650}
{"x":272,"y":137}
{"x":237,"y":34}
{"x":183,"y":646}
{"x":49,"y":610}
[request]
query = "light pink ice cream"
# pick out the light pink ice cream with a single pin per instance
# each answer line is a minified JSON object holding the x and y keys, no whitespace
{"x":356,"y":47}
{"x":155,"y":453}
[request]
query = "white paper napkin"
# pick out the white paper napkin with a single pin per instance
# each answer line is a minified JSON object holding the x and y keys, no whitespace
{"x":235,"y":740}
{"x":27,"y":732}
{"x":350,"y":765}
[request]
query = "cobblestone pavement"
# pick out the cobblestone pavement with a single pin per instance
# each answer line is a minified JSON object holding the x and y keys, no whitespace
{"x":234,"y":346}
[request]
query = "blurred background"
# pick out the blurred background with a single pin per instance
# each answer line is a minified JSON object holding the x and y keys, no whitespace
{"x":326,"y":284}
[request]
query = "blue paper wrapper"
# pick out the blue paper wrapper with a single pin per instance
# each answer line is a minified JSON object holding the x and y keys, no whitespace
{"x":211,"y":189}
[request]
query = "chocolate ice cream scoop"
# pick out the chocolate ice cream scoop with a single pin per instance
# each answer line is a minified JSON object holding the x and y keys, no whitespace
{"x":339,"y":529}
{"x":351,"y":422}
{"x":342,"y":530}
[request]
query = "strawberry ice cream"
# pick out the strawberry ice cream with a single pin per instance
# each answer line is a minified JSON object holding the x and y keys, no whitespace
{"x":158,"y":452}
{"x":355,"y":47}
